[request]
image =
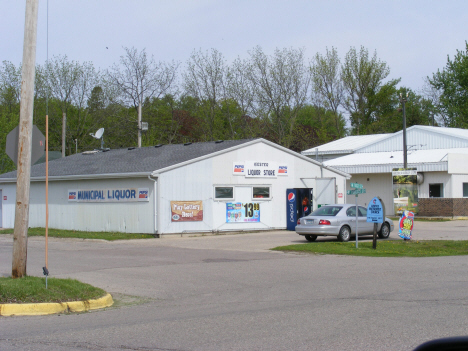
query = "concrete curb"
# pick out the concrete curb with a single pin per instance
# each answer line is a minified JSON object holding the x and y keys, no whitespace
{"x":36,"y":309}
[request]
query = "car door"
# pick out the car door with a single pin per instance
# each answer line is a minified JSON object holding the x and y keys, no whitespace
{"x":351,"y":214}
{"x":364,"y":226}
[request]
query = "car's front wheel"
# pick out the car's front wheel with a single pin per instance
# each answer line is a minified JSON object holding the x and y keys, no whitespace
{"x":311,"y":237}
{"x":384,"y":231}
{"x":345,"y":234}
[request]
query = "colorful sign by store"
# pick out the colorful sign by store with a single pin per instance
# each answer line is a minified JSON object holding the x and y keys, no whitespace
{"x":186,"y":211}
{"x":405,"y":225}
{"x":109,"y":195}
{"x":259,"y":169}
{"x":405,"y":190}
{"x":238,"y":212}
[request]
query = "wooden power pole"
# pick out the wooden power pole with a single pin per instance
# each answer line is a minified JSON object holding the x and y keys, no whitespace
{"x":20,"y":234}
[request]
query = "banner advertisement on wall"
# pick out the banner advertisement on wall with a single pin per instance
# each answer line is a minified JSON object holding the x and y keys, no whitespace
{"x":237,"y":212}
{"x":109,"y":195}
{"x":259,"y":169}
{"x":186,"y":211}
{"x":405,"y":190}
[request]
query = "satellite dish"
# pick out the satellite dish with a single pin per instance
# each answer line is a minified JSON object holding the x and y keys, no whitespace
{"x":98,"y":134}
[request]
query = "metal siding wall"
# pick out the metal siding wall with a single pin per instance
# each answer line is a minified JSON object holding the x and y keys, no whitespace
{"x":272,"y":212}
{"x":378,"y":185}
{"x":192,"y":182}
{"x":196,"y":182}
{"x":129,"y":217}
{"x":417,"y":139}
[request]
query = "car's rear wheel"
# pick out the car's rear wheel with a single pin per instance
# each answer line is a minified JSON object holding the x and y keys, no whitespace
{"x":311,"y":237}
{"x":384,"y":231}
{"x":345,"y":234}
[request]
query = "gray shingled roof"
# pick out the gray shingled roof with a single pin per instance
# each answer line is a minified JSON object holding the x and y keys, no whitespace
{"x":137,"y":160}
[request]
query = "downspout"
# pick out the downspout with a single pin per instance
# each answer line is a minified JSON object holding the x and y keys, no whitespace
{"x":155,"y":212}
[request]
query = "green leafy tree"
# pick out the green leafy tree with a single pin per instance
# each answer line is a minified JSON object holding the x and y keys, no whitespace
{"x":362,"y":77}
{"x":327,"y":85}
{"x":280,"y":83}
{"x":452,"y":83}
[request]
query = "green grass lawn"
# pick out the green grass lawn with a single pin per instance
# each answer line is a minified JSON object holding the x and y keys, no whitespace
{"x":387,"y":248}
{"x":59,"y":233}
{"x":33,"y":290}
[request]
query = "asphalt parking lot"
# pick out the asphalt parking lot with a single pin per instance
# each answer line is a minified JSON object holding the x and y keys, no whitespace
{"x":230,"y":292}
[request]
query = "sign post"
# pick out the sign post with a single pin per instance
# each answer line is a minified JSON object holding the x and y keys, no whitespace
{"x":375,"y":214}
{"x":358,"y":189}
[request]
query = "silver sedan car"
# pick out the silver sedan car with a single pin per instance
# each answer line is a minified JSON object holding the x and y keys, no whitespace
{"x":340,"y":221}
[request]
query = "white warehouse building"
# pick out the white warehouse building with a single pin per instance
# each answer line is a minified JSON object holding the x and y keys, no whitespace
{"x":438,"y":155}
{"x":238,"y":185}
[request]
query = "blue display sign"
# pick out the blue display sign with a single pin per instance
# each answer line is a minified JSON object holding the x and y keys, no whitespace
{"x":291,"y":209}
{"x":375,"y":211}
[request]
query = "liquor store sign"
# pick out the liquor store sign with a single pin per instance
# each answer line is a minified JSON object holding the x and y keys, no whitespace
{"x":259,"y":169}
{"x":109,"y":195}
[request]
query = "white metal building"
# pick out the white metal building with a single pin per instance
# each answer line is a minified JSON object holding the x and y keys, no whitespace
{"x":200,"y":187}
{"x":440,"y":156}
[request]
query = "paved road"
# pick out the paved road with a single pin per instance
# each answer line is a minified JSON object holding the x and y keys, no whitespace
{"x":231,"y":293}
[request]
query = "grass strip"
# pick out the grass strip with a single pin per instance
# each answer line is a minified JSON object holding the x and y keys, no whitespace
{"x":387,"y":248}
{"x":60,"y":233}
{"x":32,"y":290}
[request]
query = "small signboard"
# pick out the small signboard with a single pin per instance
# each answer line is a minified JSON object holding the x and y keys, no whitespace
{"x":375,"y":211}
{"x":357,"y":186}
{"x":356,"y":191}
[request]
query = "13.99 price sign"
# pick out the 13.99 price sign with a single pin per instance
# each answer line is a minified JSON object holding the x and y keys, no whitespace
{"x":242,"y":212}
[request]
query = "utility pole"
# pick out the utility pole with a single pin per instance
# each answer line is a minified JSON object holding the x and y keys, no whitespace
{"x":64,"y":131}
{"x":20,"y":234}
{"x":405,"y":158}
{"x":139,"y":124}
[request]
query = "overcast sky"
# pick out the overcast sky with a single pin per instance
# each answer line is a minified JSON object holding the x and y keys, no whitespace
{"x":413,"y":37}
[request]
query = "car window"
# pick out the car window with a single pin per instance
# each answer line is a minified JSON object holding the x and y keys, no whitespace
{"x":362,"y":212}
{"x":351,"y":212}
{"x":327,"y":211}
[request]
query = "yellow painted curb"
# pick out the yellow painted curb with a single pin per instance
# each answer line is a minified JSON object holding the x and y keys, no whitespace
{"x":36,"y":309}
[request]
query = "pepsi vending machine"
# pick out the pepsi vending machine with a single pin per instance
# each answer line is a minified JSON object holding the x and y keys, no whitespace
{"x":298,"y":204}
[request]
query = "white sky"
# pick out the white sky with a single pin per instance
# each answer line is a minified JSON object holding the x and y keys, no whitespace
{"x":413,"y":37}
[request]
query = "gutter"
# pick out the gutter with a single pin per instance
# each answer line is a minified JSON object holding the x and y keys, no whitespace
{"x":82,"y":176}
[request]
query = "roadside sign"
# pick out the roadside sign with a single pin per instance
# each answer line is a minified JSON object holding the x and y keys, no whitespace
{"x":375,"y":211}
{"x":37,"y":149}
{"x":357,"y":186}
{"x":355,"y":191}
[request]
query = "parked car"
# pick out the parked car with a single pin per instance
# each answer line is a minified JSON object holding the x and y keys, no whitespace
{"x":340,"y":220}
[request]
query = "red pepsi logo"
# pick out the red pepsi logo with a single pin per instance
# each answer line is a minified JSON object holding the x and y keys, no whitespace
{"x":291,"y":197}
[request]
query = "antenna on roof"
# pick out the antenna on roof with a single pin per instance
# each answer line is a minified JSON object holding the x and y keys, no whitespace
{"x":98,"y":135}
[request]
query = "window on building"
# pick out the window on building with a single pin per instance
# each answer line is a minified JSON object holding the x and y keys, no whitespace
{"x":261,"y":192}
{"x":465,"y":189}
{"x":224,"y":192}
{"x":436,"y":190}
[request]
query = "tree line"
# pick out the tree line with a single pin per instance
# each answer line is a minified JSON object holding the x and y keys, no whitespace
{"x":282,"y":97}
